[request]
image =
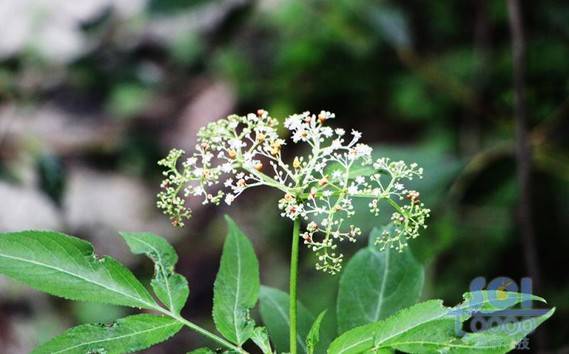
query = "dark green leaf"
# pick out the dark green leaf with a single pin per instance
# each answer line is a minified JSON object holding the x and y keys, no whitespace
{"x":66,"y":266}
{"x":171,"y":288}
{"x":275,"y":315}
{"x":375,"y":284}
{"x":236,"y":287}
{"x":126,"y":335}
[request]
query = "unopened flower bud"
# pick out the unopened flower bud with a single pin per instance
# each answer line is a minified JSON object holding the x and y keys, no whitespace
{"x":296,"y":163}
{"x":312,"y":193}
{"x":259,"y":166}
{"x":231,"y":154}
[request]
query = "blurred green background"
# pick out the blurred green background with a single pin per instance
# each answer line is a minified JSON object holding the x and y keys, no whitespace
{"x":94,"y":92}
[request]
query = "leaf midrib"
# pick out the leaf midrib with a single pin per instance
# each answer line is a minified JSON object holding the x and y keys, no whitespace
{"x":119,"y":337}
{"x":237,"y":290}
{"x":152,"y":306}
{"x":382,"y":289}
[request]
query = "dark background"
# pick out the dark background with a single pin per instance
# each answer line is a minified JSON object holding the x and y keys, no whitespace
{"x":94,"y":92}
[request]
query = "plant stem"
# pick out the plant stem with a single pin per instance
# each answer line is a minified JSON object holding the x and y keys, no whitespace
{"x":210,"y":335}
{"x":292,"y":285}
{"x":194,"y":327}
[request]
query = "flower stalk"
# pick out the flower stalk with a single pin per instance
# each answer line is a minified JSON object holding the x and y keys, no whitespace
{"x":293,"y":301}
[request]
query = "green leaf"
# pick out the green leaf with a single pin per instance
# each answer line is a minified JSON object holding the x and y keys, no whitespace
{"x":261,"y":339}
{"x":126,"y":335}
{"x":430,"y":326}
{"x":361,"y":339}
{"x":506,"y":335}
{"x":171,"y":288}
{"x":499,"y":339}
{"x":236,"y":287}
{"x":313,"y":336}
{"x":375,"y":285}
{"x":488,"y":301}
{"x":66,"y":266}
{"x":275,"y":315}
{"x":202,"y":351}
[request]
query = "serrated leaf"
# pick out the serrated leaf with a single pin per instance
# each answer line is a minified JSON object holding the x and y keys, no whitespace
{"x":361,"y":339}
{"x":427,"y":327}
{"x":66,"y":266}
{"x":236,"y":287}
{"x":171,"y":288}
{"x":313,"y":336}
{"x":126,"y":335}
{"x":261,"y":338}
{"x":275,"y":315}
{"x":375,"y":285}
{"x":496,"y":340}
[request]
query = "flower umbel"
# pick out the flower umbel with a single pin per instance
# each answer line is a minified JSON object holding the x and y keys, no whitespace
{"x":241,"y":152}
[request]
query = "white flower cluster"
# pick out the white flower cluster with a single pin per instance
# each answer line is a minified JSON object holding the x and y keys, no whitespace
{"x":242,"y":152}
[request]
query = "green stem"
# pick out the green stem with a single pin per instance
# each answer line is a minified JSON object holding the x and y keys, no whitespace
{"x":293,"y":280}
{"x":194,"y":327}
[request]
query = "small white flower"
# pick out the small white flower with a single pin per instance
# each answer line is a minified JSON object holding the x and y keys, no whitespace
{"x":326,"y":132}
{"x":229,"y":198}
{"x":300,"y":135}
{"x":352,"y":189}
{"x":226,"y":167}
{"x":338,"y":175}
{"x":356,"y":135}
{"x":293,"y":122}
